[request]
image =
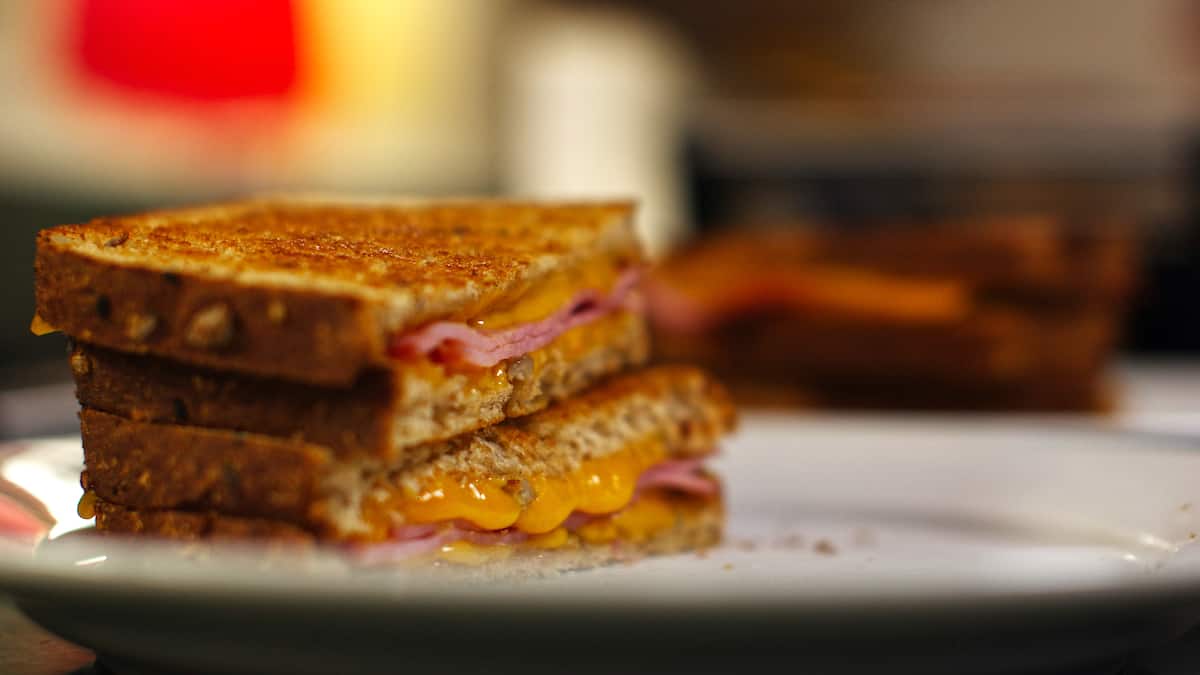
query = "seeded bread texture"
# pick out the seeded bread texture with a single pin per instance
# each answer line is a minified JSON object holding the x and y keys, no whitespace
{"x":167,"y":466}
{"x":307,"y":291}
{"x":384,"y":412}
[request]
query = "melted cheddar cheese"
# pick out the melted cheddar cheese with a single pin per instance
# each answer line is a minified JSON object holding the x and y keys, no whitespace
{"x":536,"y":301}
{"x":537,"y":505}
{"x":653,"y":512}
{"x":87,"y":505}
{"x":650,"y":514}
{"x":39,"y":326}
{"x":483,"y":379}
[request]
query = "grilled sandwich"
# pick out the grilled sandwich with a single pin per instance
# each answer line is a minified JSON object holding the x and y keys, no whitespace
{"x":1004,"y":313}
{"x":452,"y":379}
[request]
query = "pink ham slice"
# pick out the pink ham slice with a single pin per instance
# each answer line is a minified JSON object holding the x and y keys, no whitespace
{"x":455,"y":341}
{"x":679,"y":474}
{"x":430,"y":539}
{"x":397,"y":550}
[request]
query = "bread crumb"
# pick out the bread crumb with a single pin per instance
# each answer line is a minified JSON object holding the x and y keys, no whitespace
{"x":727,"y":567}
{"x":824,"y":547}
{"x":1187,"y":506}
{"x":521,"y":369}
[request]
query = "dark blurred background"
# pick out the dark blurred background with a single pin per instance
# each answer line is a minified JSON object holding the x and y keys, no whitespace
{"x":713,"y":113}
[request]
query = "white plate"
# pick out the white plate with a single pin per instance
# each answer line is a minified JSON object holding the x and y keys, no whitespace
{"x":919,"y":545}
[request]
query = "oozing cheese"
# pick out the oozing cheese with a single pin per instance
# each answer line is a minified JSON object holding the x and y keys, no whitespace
{"x":87,"y":505}
{"x":537,"y":301}
{"x":39,"y":327}
{"x":652,"y":513}
{"x":536,"y":505}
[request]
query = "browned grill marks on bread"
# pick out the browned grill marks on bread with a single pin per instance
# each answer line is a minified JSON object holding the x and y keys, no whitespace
{"x":308,"y":291}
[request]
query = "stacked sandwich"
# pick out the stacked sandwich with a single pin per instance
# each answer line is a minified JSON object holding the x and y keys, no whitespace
{"x":438,"y":377}
{"x":1003,"y":313}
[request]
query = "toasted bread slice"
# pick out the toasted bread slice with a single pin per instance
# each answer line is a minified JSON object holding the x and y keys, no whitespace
{"x":626,"y":424}
{"x":693,"y":524}
{"x":384,"y":412}
{"x":307,"y":290}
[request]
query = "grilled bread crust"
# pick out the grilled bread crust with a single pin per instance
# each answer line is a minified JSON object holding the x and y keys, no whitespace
{"x":307,"y":290}
{"x":167,"y":466}
{"x":191,"y":525}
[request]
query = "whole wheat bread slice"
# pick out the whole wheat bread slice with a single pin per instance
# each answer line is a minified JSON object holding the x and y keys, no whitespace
{"x":155,"y":466}
{"x":307,"y":290}
{"x":384,"y":412}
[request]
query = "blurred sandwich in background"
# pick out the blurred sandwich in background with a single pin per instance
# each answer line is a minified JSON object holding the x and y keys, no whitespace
{"x":998,"y":313}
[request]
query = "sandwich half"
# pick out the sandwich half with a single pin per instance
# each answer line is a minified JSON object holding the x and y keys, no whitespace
{"x":616,"y":468}
{"x":367,"y":328}
{"x":998,"y":314}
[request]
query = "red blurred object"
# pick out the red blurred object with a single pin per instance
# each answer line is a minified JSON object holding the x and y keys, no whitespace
{"x":209,"y":50}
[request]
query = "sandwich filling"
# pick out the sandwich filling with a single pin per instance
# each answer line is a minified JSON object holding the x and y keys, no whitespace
{"x":653,"y":512}
{"x":530,"y":321}
{"x":624,"y":497}
{"x":533,"y":505}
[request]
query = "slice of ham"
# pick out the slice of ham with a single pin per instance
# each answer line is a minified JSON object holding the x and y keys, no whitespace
{"x":682,"y":475}
{"x":455,"y":341}
{"x":410,"y":541}
{"x":397,"y":550}
{"x":415,"y":540}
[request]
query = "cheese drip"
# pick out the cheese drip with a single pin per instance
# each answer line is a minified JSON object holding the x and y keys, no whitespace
{"x":536,"y":301}
{"x":536,"y":505}
{"x":654,"y":512}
